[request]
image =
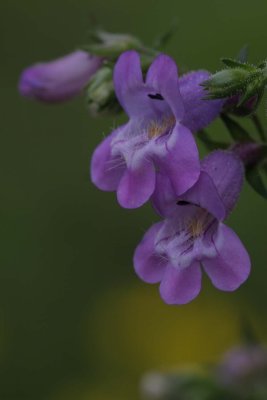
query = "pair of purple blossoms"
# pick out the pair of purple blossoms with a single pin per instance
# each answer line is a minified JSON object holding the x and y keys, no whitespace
{"x":154,"y":156}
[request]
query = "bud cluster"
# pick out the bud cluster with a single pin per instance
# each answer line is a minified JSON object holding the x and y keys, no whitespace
{"x":242,"y":83}
{"x":100,"y":94}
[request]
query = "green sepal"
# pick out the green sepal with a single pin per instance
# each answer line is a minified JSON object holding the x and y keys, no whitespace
{"x":242,"y":55}
{"x":226,"y":78}
{"x":111,"y":45}
{"x":254,"y":87}
{"x":254,"y":178}
{"x":232,"y":63}
{"x":237,"y":132}
{"x":248,"y":335}
{"x":226,"y":83}
{"x":262,"y":65}
{"x":255,"y":170}
{"x":241,"y":79}
{"x":162,"y":40}
{"x":100,"y":94}
{"x":209,"y":143}
{"x":259,"y":128}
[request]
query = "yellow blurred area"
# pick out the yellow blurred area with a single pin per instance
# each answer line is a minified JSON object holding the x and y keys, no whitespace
{"x":135,"y":329}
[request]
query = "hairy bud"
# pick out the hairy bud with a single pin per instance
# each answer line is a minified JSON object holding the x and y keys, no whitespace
{"x":242,"y":83}
{"x":101,"y":98}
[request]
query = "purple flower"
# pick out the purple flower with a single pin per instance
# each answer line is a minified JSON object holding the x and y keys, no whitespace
{"x":193,"y":234}
{"x":199,"y":113}
{"x":59,"y":80}
{"x":243,"y":366}
{"x":152,"y":140}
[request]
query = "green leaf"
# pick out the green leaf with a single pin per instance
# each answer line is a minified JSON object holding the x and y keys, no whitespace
{"x":238,"y":133}
{"x":162,"y":40}
{"x":256,"y":182}
{"x":262,"y":65}
{"x":264,"y":167}
{"x":209,"y":143}
{"x":258,"y":125}
{"x":247,"y":332}
{"x":231,"y":63}
{"x":111,"y":45}
{"x":253,"y":88}
{"x":242,"y":55}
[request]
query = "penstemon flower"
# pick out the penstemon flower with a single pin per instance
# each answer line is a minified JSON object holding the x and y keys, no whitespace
{"x":59,"y":80}
{"x":155,"y":138}
{"x":193,"y":234}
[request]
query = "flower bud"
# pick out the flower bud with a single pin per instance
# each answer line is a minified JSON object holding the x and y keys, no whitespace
{"x":248,"y":107}
{"x":111,"y":45}
{"x":59,"y":80}
{"x":251,"y":153}
{"x":242,"y":83}
{"x":101,"y":98}
{"x":226,"y":82}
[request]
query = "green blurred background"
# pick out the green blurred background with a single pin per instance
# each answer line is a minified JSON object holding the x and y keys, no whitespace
{"x":75,"y":322}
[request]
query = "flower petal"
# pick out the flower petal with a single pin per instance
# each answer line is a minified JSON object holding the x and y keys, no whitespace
{"x":137,"y":185}
{"x":178,"y":158}
{"x":181,"y":286}
{"x":175,"y":238}
{"x":164,"y":198}
{"x":163,"y":77}
{"x":199,"y":113}
{"x":231,"y":267}
{"x":205,"y":195}
{"x":148,"y":266}
{"x":106,"y":170}
{"x":127,"y":77}
{"x":227,"y":172}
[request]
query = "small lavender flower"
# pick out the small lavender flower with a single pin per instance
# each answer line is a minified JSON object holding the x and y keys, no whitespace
{"x":244,"y":366}
{"x":153,"y":139}
{"x":193,"y":235}
{"x":59,"y":80}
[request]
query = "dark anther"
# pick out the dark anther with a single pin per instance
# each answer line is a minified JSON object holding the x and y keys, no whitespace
{"x":182,"y":203}
{"x":156,"y":96}
{"x":186,"y":203}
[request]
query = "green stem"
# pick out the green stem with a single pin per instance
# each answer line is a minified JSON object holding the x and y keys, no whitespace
{"x":258,"y":125}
